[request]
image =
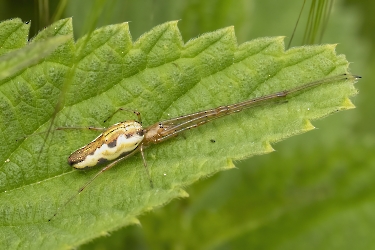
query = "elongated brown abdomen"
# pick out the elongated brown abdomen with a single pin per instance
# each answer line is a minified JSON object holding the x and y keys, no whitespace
{"x":118,"y":140}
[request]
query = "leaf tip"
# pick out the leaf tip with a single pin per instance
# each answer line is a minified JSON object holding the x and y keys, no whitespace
{"x":172,"y":24}
{"x":182,"y":193}
{"x":267,"y":147}
{"x":307,"y":126}
{"x":124,"y":25}
{"x":134,"y":221}
{"x":348,"y":104}
{"x":230,"y":164}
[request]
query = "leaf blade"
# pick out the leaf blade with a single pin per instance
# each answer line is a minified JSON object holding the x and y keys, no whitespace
{"x":206,"y":72}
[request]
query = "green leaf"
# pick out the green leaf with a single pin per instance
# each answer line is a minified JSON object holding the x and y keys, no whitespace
{"x":161,"y":77}
{"x":18,"y":60}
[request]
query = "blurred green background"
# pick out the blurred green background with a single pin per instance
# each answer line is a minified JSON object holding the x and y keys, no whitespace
{"x":316,"y":191}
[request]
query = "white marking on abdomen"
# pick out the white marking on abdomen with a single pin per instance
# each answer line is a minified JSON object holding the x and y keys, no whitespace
{"x":123,"y":145}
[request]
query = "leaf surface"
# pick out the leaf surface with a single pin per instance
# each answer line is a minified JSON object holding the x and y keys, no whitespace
{"x":161,"y":77}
